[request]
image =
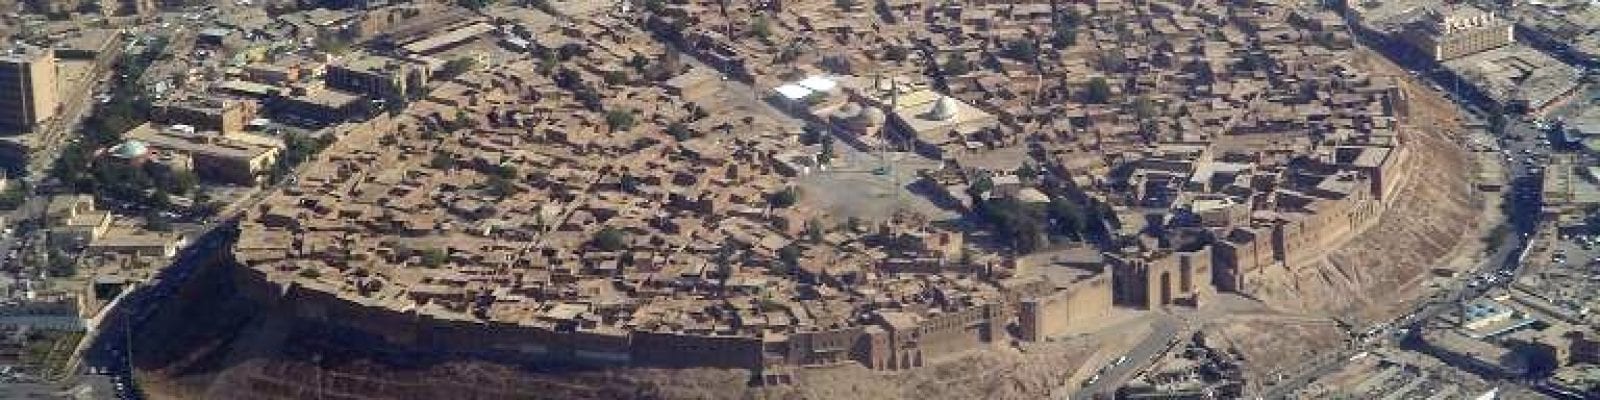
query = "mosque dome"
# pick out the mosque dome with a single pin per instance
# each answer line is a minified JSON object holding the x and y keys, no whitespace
{"x":848,"y":111}
{"x":874,"y":116}
{"x":944,"y":109}
{"x":131,"y":149}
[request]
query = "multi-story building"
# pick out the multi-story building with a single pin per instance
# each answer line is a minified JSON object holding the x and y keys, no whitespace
{"x":75,"y":222}
{"x":1458,"y":30}
{"x":376,"y":76}
{"x":239,"y":159}
{"x":206,"y":113}
{"x":27,"y":89}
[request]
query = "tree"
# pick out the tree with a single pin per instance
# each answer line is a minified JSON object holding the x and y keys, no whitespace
{"x":159,"y":199}
{"x":790,"y":255}
{"x":615,"y":77}
{"x":679,"y":131}
{"x":784,"y":198}
{"x":1069,"y":217}
{"x":810,"y":134}
{"x":815,"y":98}
{"x":499,"y":186}
{"x":825,"y":155}
{"x":208,"y":208}
{"x":1016,"y":223}
{"x":609,"y":239}
{"x":1099,"y":91}
{"x":629,"y":183}
{"x":442,"y":160}
{"x":13,"y":197}
{"x":761,"y":28}
{"x":1070,"y":18}
{"x":1021,"y":50}
{"x":475,"y":5}
{"x":955,"y":64}
{"x":589,"y":98}
{"x":61,"y":264}
{"x":620,"y":120}
{"x":896,"y":53}
{"x":185,"y":182}
{"x":1144,"y":108}
{"x":1497,"y":123}
{"x":155,"y":221}
{"x":1027,"y":173}
{"x":639,"y":63}
{"x":460,"y":121}
{"x":547,"y":62}
{"x":298,"y":147}
{"x":456,"y":67}
{"x":983,"y":184}
{"x":434,"y":258}
{"x":542,"y":5}
{"x":655,"y":6}
{"x":814,"y":231}
{"x":1064,"y":38}
{"x":567,"y":78}
{"x":788,"y":54}
{"x":332,"y":43}
{"x":1113,"y":59}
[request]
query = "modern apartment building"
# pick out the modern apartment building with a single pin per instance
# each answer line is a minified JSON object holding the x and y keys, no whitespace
{"x":27,"y":89}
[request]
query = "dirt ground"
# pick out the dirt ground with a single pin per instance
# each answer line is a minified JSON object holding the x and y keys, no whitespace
{"x":995,"y":373}
{"x":1436,"y":220}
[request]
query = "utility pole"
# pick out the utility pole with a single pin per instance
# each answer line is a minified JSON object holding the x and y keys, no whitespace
{"x":127,"y":354}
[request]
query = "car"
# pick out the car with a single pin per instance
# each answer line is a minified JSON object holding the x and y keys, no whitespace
{"x":1092,"y":380}
{"x":1124,"y":359}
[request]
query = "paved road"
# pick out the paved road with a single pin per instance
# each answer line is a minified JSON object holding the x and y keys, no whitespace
{"x":87,"y":387}
{"x":110,"y":348}
{"x":1163,"y":335}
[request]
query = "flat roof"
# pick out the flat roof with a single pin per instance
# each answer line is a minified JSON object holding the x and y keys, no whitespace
{"x":818,"y":83}
{"x":456,"y":35}
{"x":201,"y":143}
{"x":793,"y":91}
{"x":23,"y":53}
{"x":246,"y":87}
{"x":330,"y":98}
{"x":124,"y":238}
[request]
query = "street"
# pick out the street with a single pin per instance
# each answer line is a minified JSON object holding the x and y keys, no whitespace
{"x":110,"y":349}
{"x":1163,"y":335}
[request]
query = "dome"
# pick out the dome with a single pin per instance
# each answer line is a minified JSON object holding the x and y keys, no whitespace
{"x":849,"y":110}
{"x":131,"y":149}
{"x":944,"y":109}
{"x":874,"y":116}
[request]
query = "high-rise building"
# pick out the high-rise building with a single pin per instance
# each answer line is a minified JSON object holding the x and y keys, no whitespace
{"x":27,"y":89}
{"x":1458,"y":30}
